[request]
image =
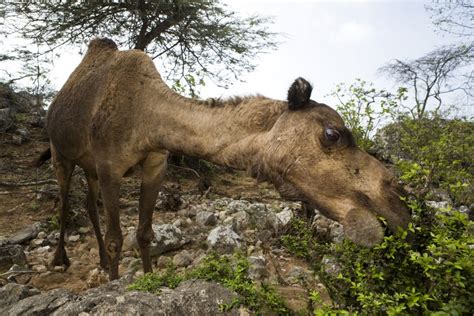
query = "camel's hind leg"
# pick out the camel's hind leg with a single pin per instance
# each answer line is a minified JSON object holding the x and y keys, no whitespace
{"x":154,"y":169}
{"x":64,"y":169}
{"x":92,"y":196}
{"x":110,"y":180}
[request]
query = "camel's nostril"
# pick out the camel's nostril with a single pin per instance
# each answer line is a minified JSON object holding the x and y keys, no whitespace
{"x":356,"y":171}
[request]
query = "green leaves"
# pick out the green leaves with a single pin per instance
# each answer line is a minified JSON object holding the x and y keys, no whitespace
{"x":363,"y":108}
{"x":192,"y":40}
{"x":230,"y":271}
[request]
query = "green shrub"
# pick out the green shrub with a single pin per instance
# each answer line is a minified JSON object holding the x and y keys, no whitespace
{"x":230,"y":271}
{"x":427,"y":269}
{"x":153,"y":282}
{"x":439,"y":153}
{"x":363,"y":108}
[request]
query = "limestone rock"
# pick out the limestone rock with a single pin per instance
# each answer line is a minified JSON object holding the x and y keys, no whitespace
{"x":10,"y":255}
{"x":206,"y":218}
{"x":193,"y":297}
{"x":225,"y":239}
{"x":285,"y":217}
{"x":167,"y":237}
{"x":25,"y":234}
{"x":183,"y":259}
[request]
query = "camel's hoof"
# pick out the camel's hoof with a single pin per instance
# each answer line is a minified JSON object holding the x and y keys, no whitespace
{"x":104,"y":264}
{"x":60,"y":259}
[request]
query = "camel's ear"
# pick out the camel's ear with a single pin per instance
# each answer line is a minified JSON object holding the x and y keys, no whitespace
{"x":299,"y":94}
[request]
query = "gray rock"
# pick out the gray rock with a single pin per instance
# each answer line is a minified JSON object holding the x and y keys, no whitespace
{"x":223,"y":238}
{"x":167,"y":237}
{"x":39,"y":268}
{"x":237,"y":205}
{"x":331,"y":266}
{"x":193,"y":297}
{"x":74,"y":238}
{"x":37,"y":120}
{"x":25,"y":234}
{"x":23,"y":132}
{"x":183,"y":259}
{"x":258,"y":268}
{"x":206,"y":218}
{"x":336,"y":232}
{"x":196,"y":297}
{"x":12,"y":293}
{"x":6,"y":120}
{"x":299,"y":275}
{"x":241,"y":220}
{"x":41,"y":304}
{"x":438,"y":205}
{"x":162,"y":262}
{"x":16,"y":140}
{"x":37,"y":242}
{"x":326,"y":229}
{"x":10,"y":255}
{"x":285,"y":217}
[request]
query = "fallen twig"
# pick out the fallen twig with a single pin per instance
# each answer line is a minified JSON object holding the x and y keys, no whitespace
{"x":14,"y":208}
{"x":17,"y":272}
{"x":15,"y":192}
{"x":27,"y":184}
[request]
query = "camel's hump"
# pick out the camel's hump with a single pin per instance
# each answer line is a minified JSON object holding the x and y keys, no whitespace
{"x":102,"y":43}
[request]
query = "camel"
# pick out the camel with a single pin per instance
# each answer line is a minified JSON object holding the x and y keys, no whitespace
{"x":115,"y":112}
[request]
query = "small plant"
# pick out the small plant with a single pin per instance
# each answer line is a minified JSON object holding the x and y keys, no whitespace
{"x":153,"y":282}
{"x":230,"y":271}
{"x":301,"y":242}
{"x":33,"y":206}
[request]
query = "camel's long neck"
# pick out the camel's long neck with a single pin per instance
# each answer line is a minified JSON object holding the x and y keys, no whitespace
{"x":226,"y":135}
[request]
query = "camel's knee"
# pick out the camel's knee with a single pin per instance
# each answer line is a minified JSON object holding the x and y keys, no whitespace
{"x":145,"y":237}
{"x":113,"y":246}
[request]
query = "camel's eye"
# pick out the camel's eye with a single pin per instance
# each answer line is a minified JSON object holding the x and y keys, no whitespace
{"x":331,"y":134}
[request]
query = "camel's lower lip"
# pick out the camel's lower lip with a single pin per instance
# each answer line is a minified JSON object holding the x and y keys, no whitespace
{"x":362,"y":227}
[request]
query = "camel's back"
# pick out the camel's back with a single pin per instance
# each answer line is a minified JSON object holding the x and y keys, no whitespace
{"x":69,"y":116}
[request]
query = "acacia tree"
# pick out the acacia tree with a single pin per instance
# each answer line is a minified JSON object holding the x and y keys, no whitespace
{"x":454,"y":17}
{"x":440,"y":72}
{"x":193,"y":39}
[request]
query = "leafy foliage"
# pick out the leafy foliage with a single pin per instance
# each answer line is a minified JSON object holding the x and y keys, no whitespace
{"x":426,"y":269}
{"x":230,"y":271}
{"x":363,"y":108}
{"x":153,"y":282}
{"x":194,"y":39}
{"x":438,"y":153}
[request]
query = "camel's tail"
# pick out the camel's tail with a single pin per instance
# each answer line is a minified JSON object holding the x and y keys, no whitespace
{"x":45,"y":156}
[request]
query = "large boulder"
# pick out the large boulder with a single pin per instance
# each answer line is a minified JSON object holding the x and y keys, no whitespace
{"x":10,"y":255}
{"x":193,"y":297}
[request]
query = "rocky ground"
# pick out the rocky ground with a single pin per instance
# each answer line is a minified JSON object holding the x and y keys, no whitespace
{"x":230,"y":212}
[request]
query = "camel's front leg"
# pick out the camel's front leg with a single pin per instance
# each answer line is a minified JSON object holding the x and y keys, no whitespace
{"x":110,"y":181}
{"x":154,"y":169}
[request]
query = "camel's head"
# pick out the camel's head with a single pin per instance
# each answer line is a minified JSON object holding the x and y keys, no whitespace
{"x":311,"y":155}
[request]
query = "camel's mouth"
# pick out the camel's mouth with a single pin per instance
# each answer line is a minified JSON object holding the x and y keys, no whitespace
{"x":363,"y":228}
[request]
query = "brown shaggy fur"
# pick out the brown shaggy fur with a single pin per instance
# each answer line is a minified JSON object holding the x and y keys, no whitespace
{"x":115,"y":112}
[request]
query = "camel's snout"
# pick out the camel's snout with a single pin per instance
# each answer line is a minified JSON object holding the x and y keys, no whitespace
{"x":362,"y":227}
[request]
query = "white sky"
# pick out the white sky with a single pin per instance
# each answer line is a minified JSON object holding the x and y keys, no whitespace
{"x":327,"y":42}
